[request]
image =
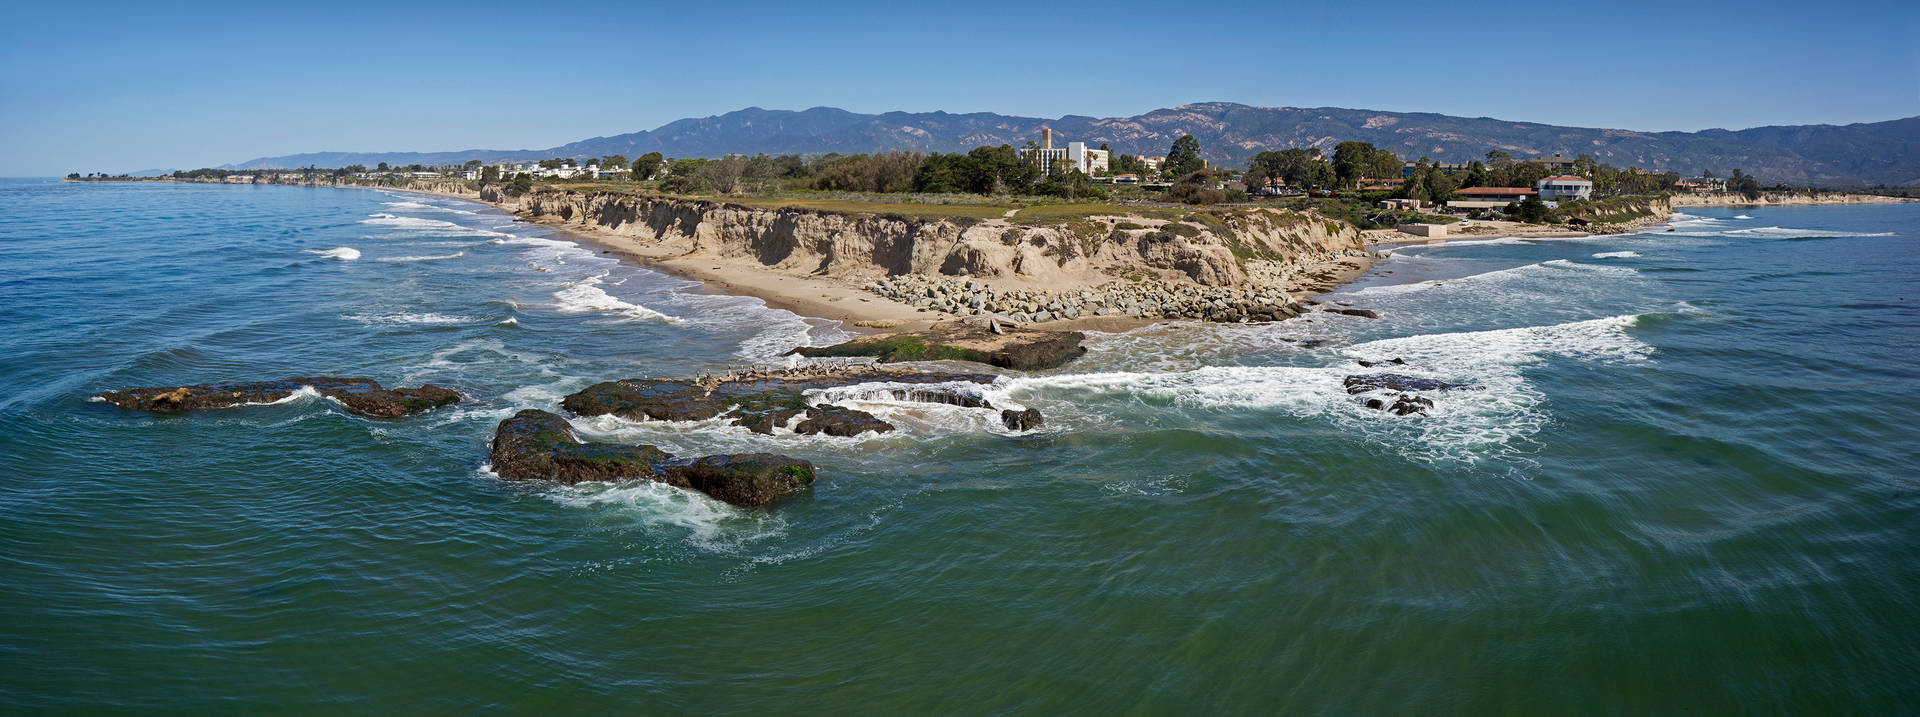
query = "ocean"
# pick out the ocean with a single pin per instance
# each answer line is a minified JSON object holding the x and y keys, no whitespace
{"x":1689,"y":485}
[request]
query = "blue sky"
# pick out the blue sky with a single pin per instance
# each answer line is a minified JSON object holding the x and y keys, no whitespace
{"x":127,"y":86}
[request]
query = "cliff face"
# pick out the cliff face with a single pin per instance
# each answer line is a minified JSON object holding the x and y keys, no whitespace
{"x":1779,"y":199}
{"x":1212,"y":248}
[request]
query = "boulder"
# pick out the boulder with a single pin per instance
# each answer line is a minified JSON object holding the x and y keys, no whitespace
{"x":358,"y":395}
{"x":537,"y":445}
{"x":1362,"y":313}
{"x":1025,"y":420}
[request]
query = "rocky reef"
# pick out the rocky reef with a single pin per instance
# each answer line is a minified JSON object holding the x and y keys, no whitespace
{"x":1145,"y":299}
{"x":1398,"y":394}
{"x":981,"y":341}
{"x":359,"y":395}
{"x":763,"y":400}
{"x":537,"y":445}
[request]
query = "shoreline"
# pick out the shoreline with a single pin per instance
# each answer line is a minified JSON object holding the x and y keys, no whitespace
{"x":857,"y":310}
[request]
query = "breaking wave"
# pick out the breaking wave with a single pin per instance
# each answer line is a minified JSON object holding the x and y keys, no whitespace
{"x":1464,"y":425}
{"x":1616,"y":255}
{"x":344,"y":253}
{"x":454,"y":255}
{"x":586,"y":296}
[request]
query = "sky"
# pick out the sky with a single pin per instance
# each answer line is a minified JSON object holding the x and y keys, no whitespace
{"x":116,"y":87}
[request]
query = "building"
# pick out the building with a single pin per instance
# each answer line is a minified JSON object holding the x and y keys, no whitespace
{"x":1126,"y":179}
{"x":1406,"y":170}
{"x":1700,"y":185}
{"x":1554,"y":162}
{"x":1488,"y":197}
{"x":1154,"y":163}
{"x":1075,"y":154}
{"x":1565,"y":186}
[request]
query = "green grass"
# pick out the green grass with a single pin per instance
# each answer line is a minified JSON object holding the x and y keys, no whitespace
{"x":1079,"y":211}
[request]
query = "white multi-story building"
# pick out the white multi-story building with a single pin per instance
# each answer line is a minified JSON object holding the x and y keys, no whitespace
{"x":1565,"y":186}
{"x":1076,"y":155}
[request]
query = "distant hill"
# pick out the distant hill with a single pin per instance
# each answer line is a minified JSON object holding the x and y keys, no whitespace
{"x":1826,"y":155}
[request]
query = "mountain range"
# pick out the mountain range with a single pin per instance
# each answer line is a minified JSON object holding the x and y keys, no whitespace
{"x":1822,"y":155}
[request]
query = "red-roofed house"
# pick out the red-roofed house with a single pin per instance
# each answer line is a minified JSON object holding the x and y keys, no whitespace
{"x":1488,"y":197}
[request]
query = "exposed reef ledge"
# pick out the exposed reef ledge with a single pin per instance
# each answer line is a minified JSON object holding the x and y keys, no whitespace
{"x":791,"y":399}
{"x":977,"y":339}
{"x":537,"y":445}
{"x":359,"y":395}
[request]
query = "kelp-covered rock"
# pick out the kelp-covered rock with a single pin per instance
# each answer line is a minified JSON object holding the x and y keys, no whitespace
{"x":1010,"y":348}
{"x":537,"y":445}
{"x":359,"y":395}
{"x":763,"y":400}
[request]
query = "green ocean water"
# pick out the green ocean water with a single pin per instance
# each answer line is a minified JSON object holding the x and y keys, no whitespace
{"x":1688,"y":487}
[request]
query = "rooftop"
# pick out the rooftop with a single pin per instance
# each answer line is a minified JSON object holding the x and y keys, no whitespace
{"x":1494,"y":190}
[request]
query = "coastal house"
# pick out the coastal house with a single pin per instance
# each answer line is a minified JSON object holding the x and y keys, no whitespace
{"x":1077,"y":155}
{"x":1126,"y":179}
{"x":1488,"y":197}
{"x":1564,"y":186}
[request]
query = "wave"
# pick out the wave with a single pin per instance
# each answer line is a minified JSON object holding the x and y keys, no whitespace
{"x":412,"y":205}
{"x":710,"y":525}
{"x":1742,"y":216}
{"x":1554,"y":268}
{"x":454,"y":255}
{"x":586,"y":296}
{"x":1462,"y":426}
{"x":419,"y":225}
{"x":1616,"y":255}
{"x":344,"y":253}
{"x":431,"y":319}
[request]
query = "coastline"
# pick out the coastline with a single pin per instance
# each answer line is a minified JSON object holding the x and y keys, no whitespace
{"x":846,"y":301}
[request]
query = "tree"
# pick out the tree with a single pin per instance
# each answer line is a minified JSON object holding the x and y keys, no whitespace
{"x":471,"y":163}
{"x":382,"y":167}
{"x":1351,"y":160}
{"x":1183,"y":158}
{"x":613,"y":161}
{"x":646,"y":165}
{"x":1530,"y":210}
{"x":1383,"y":164}
{"x":490,"y":174}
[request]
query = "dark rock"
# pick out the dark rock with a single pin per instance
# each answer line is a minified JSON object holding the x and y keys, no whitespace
{"x":1362,"y":313}
{"x":1393,"y":389}
{"x":843,"y":422}
{"x":537,"y":445}
{"x":359,"y":395}
{"x":760,"y":402}
{"x":1026,"y":420}
{"x":1399,"y":382}
{"x":1388,"y":362}
{"x":1017,"y":349}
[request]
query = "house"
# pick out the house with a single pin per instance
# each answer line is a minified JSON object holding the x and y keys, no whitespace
{"x":1701,"y":185}
{"x":1126,"y":179}
{"x":1403,"y":204}
{"x":1488,"y":197}
{"x":1564,"y":186}
{"x":1380,"y":185}
{"x":1076,"y":154}
{"x":1554,"y":162}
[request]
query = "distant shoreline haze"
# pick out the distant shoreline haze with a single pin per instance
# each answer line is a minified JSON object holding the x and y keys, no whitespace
{"x":1877,"y":153}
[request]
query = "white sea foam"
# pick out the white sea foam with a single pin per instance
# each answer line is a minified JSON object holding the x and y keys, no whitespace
{"x":411,"y":205}
{"x":344,"y":253}
{"x":454,"y":255}
{"x":1742,"y":216}
{"x":302,"y":393}
{"x":1462,"y":425}
{"x":1616,"y":255}
{"x":710,"y":524}
{"x":1555,"y":268}
{"x":426,"y":227}
{"x":411,"y":318}
{"x":586,"y":296}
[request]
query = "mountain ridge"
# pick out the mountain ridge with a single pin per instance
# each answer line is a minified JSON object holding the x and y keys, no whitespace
{"x":1855,"y":154}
